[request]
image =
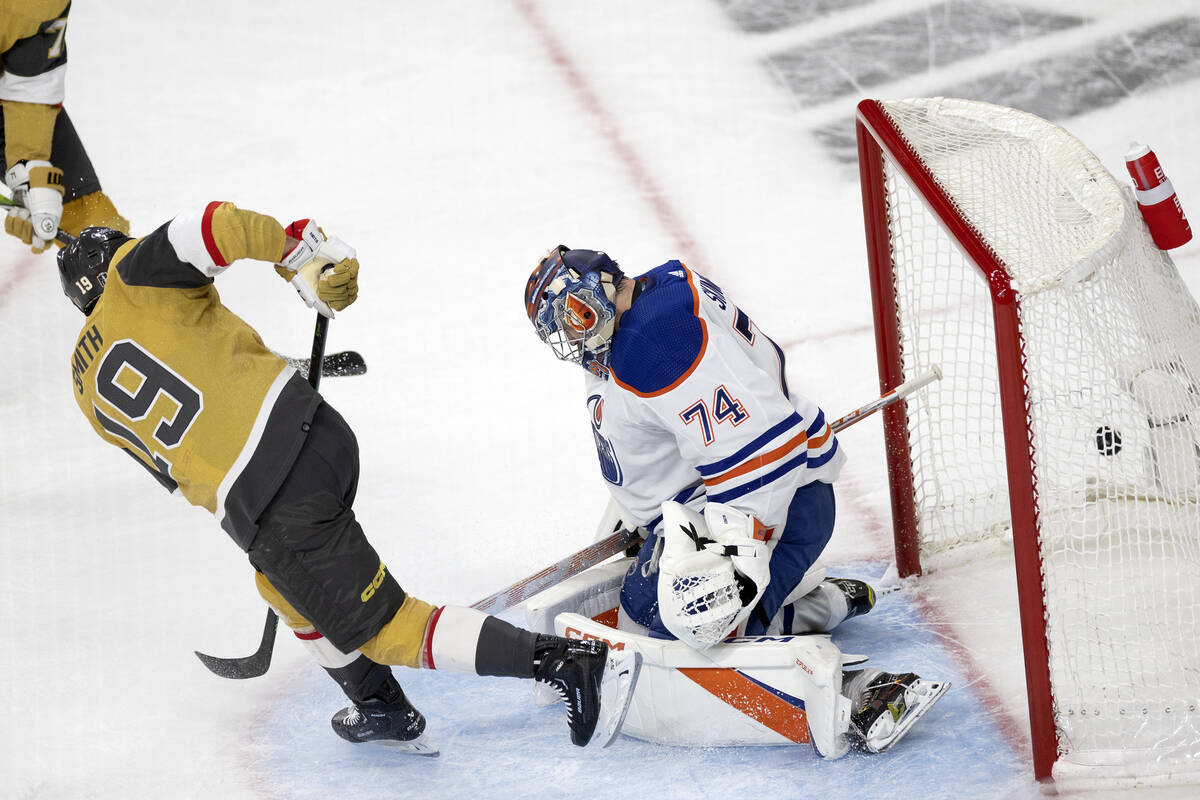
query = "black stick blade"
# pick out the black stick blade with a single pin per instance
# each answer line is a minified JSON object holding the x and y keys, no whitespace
{"x":345,"y":364}
{"x":251,"y":666}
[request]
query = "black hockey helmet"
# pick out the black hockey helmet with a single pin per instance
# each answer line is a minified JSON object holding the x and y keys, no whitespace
{"x":83,"y":265}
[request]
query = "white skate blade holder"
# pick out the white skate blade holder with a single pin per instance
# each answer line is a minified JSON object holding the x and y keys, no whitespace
{"x":927,"y":693}
{"x":616,"y":693}
{"x":420,"y":746}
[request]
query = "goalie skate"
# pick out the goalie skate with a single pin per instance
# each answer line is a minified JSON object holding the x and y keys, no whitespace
{"x":889,"y":706}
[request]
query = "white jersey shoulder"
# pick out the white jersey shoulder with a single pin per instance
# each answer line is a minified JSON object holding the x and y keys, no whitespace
{"x":698,"y":404}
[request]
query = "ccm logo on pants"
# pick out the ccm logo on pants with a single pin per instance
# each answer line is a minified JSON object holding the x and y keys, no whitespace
{"x":375,"y":583}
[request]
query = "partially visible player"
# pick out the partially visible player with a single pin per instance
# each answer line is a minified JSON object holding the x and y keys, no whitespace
{"x":691,"y":412}
{"x":164,"y":371}
{"x":41,"y":157}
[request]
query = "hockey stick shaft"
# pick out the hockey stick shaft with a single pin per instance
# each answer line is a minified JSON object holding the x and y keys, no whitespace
{"x":902,"y":391}
{"x":257,"y":663}
{"x":556,"y":573}
{"x":606,"y":548}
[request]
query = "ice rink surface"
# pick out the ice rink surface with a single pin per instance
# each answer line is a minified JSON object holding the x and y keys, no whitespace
{"x":452,"y":143}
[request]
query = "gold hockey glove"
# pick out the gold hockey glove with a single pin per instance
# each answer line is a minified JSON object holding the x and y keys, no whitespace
{"x":323,"y":271}
{"x":38,"y":187}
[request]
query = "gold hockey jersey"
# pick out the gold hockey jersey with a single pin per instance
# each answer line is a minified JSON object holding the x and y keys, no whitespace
{"x":33,"y":64}
{"x":166,"y":372}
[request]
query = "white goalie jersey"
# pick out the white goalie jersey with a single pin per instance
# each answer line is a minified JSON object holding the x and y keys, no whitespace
{"x":698,"y":404}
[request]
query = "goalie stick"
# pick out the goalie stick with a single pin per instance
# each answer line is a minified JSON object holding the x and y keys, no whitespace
{"x":609,"y":546}
{"x":259,"y":661}
{"x":559,"y":571}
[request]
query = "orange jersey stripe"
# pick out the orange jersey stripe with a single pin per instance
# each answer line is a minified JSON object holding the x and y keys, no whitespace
{"x":759,"y":461}
{"x":817,"y":441}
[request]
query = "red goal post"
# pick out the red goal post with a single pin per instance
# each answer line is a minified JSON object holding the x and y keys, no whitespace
{"x":1001,"y":249}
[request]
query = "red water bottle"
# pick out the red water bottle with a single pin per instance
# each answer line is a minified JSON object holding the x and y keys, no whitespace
{"x":1156,"y":199}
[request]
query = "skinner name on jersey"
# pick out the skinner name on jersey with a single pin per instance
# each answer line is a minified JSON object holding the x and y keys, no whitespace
{"x":86,"y":350}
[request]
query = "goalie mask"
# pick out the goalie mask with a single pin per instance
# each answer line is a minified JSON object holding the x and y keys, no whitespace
{"x":570,"y":299}
{"x":83,"y":265}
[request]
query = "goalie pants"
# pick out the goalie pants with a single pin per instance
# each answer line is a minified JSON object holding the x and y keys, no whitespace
{"x":808,"y":529}
{"x":311,"y":548}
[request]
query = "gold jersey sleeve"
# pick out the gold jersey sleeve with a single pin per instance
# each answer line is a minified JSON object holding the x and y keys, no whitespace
{"x":32,"y":44}
{"x":20,"y":19}
{"x":165,"y":371}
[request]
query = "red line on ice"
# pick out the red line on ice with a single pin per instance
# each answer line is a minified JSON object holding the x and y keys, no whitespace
{"x":997,"y":708}
{"x":610,"y":130}
{"x":19,"y":273}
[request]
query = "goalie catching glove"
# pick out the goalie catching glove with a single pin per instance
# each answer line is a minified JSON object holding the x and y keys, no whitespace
{"x":37,"y":186}
{"x":323,"y":271}
{"x":712,"y":572}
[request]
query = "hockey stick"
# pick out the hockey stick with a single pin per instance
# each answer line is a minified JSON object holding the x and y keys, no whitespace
{"x":343,"y":364}
{"x":258,"y":662}
{"x":608,"y":547}
{"x":556,"y":573}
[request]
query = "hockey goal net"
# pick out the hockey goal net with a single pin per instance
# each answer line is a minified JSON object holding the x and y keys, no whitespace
{"x":1002,"y":250}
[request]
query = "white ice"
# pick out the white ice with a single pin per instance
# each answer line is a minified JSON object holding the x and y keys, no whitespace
{"x":452,"y":143}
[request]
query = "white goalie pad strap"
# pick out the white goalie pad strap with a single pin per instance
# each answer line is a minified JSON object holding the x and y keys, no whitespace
{"x":698,"y":596}
{"x":453,"y":638}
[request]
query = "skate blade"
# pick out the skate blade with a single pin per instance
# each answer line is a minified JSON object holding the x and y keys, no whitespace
{"x":616,"y":695}
{"x":420,"y":746}
{"x":930,"y":693}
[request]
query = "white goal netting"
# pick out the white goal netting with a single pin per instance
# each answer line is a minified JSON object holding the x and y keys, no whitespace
{"x":1110,"y":341}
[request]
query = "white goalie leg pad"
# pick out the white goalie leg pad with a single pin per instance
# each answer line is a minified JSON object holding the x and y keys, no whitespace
{"x":453,"y":638}
{"x":698,"y":595}
{"x":746,"y":691}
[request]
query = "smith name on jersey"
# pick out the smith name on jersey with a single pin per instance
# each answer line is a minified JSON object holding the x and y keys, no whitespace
{"x":166,"y":372}
{"x":698,"y":405}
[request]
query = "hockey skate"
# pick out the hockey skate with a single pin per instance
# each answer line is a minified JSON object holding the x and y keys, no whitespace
{"x":888,"y":705}
{"x":596,"y":684}
{"x":393,"y":723}
{"x":860,"y":597}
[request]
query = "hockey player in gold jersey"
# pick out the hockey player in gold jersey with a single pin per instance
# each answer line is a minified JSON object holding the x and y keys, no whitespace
{"x":42,"y":158}
{"x":167,"y":373}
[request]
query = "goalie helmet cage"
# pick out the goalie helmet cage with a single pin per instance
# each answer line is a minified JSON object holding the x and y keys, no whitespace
{"x":1002,"y":250}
